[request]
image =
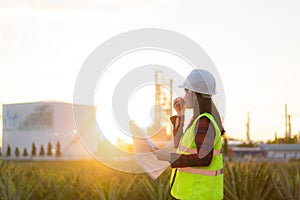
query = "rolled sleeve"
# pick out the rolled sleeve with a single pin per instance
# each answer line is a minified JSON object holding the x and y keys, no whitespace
{"x":177,"y":122}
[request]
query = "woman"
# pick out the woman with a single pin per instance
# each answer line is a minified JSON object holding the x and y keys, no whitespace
{"x":197,"y":165}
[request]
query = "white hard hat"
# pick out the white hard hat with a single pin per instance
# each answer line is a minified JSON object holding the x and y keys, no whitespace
{"x":200,"y":81}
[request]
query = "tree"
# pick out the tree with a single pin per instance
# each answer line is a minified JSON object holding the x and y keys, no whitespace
{"x":17,"y":152}
{"x":58,"y":151}
{"x":49,"y":149}
{"x":25,"y":154}
{"x":33,"y":149}
{"x":8,"y":151}
{"x":42,"y":151}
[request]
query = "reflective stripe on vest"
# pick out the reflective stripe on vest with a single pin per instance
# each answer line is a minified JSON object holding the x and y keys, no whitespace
{"x":201,"y":171}
{"x":194,"y":150}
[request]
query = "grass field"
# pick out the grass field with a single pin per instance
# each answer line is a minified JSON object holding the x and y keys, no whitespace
{"x":92,"y":180}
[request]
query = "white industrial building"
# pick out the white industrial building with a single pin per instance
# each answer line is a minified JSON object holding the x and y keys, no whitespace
{"x":47,"y":122}
{"x":281,"y":152}
{"x":268,"y":152}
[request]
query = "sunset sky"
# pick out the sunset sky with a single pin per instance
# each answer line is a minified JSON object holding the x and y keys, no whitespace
{"x":255,"y":46}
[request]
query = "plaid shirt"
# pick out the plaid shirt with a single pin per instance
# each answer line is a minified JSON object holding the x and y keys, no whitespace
{"x":204,"y":139}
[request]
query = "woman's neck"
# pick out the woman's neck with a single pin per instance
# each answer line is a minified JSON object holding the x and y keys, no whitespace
{"x":196,"y":111}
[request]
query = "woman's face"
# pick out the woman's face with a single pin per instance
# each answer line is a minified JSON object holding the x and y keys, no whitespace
{"x":188,"y":99}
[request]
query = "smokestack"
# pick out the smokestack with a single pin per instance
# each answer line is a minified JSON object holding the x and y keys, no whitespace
{"x":248,"y":128}
{"x":286,"y":121}
{"x":289,"y":127}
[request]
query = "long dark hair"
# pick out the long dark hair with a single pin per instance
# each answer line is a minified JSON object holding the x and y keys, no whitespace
{"x":206,"y":105}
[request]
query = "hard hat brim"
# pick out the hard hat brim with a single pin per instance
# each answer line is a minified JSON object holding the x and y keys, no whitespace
{"x":203,"y":94}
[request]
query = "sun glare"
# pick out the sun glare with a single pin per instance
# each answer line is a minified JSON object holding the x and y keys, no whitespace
{"x":141,"y":104}
{"x":134,"y":73}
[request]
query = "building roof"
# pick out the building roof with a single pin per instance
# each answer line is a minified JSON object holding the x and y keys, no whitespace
{"x":280,"y":147}
{"x":47,"y":102}
{"x":246,"y":149}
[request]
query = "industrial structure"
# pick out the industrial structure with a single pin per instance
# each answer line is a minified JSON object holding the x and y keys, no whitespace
{"x":288,"y":126}
{"x":248,"y":128}
{"x":281,"y":152}
{"x":160,"y":131}
{"x":47,"y":130}
{"x":281,"y":149}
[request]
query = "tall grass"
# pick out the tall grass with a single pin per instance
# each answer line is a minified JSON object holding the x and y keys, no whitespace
{"x":248,"y":181}
{"x":287,"y":182}
{"x":14,"y":182}
{"x":262,"y":180}
{"x":91,"y":180}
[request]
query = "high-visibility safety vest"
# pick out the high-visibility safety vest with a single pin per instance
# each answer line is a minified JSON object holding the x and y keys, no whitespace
{"x":199,"y":182}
